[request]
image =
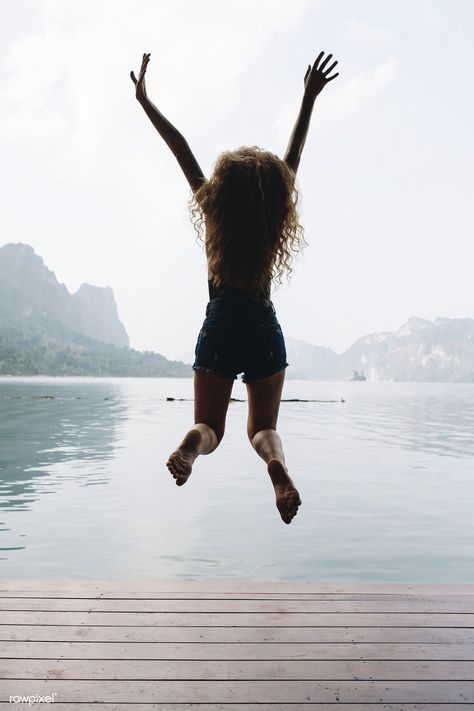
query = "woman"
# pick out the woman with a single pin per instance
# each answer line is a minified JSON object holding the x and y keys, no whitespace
{"x":248,"y":208}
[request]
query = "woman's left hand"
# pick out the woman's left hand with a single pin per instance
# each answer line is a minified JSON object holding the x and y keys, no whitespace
{"x":140,"y":89}
{"x":316,"y":77}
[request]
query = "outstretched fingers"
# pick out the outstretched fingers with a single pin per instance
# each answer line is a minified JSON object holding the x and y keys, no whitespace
{"x":323,"y":65}
{"x":145,"y":59}
{"x":329,"y":69}
{"x":317,"y":60}
{"x":322,"y":69}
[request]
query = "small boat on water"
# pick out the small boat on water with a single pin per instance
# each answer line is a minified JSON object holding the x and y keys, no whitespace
{"x":358,"y":375}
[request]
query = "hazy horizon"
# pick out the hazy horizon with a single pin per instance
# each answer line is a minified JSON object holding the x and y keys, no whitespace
{"x":385,"y":178}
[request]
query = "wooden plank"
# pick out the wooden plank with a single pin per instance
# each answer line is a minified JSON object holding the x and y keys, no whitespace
{"x":232,"y":586}
{"x":336,"y":619}
{"x":244,"y":606}
{"x":240,"y":669}
{"x":231,"y":651}
{"x":245,"y":692}
{"x":308,"y":706}
{"x":216,"y":595}
{"x":70,"y":633}
{"x":126,"y":594}
{"x":223,"y":645}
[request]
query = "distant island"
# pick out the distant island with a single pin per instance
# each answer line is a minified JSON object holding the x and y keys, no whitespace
{"x":45,"y":330}
{"x":358,"y":376}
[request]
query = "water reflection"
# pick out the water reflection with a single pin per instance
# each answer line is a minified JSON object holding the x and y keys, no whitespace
{"x":385,"y":479}
{"x":437,"y":423}
{"x":43,"y":424}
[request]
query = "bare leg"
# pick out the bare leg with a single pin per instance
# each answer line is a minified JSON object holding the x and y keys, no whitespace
{"x":200,"y":440}
{"x":264,"y":403}
{"x":267,"y":444}
{"x":211,"y":399}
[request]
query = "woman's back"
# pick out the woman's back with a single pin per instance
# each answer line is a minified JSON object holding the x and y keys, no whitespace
{"x":259,"y":295}
{"x":248,"y":211}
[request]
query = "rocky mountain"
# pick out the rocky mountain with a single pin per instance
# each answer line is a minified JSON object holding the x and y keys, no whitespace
{"x":425,"y":351}
{"x":31,"y":295}
{"x":46,"y":330}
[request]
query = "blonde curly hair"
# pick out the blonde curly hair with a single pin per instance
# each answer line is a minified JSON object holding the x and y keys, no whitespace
{"x":248,"y":210}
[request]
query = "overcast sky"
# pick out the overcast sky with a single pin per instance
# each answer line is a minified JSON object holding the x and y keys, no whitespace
{"x":386,"y":176}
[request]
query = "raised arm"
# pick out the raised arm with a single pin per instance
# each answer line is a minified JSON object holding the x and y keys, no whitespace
{"x":168,"y":132}
{"x":315,"y":80}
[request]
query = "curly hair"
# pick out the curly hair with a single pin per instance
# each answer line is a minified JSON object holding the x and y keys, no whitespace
{"x":248,"y":210}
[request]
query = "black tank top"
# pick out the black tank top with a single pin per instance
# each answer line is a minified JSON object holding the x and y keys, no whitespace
{"x":261,"y":294}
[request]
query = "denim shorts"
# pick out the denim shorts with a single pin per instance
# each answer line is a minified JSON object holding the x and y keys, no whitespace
{"x":240,"y":335}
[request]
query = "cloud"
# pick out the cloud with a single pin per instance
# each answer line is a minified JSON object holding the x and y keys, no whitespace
{"x":365,"y":33}
{"x":349,"y":97}
{"x":66,"y":89}
{"x":343,"y":100}
{"x":432,"y":11}
{"x":83,"y":155}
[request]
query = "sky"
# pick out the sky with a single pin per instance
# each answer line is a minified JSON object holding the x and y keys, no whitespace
{"x":386,"y":176}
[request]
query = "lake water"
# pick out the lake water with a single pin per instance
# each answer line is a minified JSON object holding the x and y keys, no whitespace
{"x":386,"y":480}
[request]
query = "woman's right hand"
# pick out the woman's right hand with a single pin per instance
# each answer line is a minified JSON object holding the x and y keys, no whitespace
{"x":140,"y":89}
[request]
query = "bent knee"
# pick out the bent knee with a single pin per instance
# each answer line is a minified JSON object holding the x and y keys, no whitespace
{"x":216,"y":431}
{"x":219,"y":434}
{"x":219,"y":431}
{"x":255,"y":434}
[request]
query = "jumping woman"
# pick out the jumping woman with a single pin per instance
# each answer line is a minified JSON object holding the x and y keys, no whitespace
{"x":248,"y":208}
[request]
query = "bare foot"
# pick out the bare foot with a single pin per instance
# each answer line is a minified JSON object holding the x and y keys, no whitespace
{"x":180,"y":462}
{"x":287,"y":496}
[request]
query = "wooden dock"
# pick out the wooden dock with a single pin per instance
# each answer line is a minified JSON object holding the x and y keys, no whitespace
{"x":236,"y":646}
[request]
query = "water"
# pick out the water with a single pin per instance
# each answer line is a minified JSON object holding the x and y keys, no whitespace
{"x":386,"y":480}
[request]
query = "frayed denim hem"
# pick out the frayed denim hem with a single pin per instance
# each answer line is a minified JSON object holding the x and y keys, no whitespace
{"x":253,"y":378}
{"x":202,"y":369}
